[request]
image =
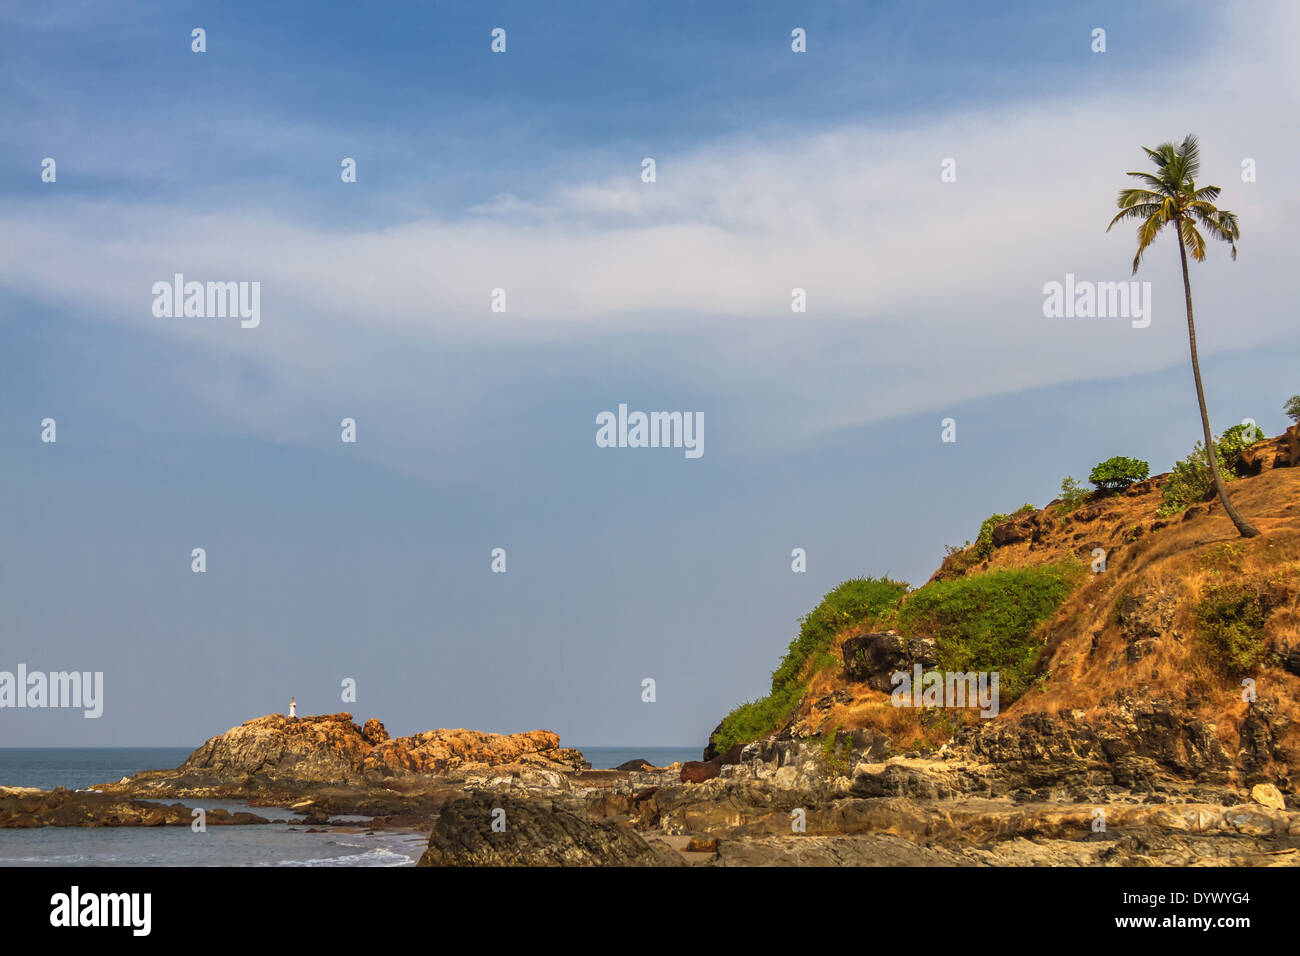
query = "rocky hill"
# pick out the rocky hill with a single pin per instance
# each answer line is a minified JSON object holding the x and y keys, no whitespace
{"x":1174,"y":663}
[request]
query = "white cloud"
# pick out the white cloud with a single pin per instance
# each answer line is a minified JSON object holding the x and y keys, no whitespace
{"x":941,"y":282}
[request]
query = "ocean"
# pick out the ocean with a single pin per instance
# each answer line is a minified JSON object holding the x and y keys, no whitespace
{"x":265,"y":845}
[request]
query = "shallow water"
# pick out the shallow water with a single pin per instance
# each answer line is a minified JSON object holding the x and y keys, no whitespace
{"x":257,"y":845}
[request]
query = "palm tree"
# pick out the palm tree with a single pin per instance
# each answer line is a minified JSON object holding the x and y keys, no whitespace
{"x":1173,"y":198}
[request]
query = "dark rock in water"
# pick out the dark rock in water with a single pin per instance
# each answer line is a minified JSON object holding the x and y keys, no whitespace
{"x":531,"y":833}
{"x":638,"y":764}
{"x":22,"y":808}
{"x":872,"y":658}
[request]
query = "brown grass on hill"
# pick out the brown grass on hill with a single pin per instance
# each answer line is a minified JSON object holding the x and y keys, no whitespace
{"x":1133,"y":626}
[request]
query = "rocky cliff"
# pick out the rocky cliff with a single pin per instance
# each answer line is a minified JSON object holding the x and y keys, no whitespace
{"x":1175,"y":663}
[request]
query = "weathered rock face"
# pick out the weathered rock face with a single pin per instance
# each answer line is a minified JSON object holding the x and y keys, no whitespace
{"x":1145,"y":619}
{"x":1142,"y":743}
{"x":328,"y":748}
{"x":332,"y":749}
{"x":447,"y":751}
{"x":872,"y":658}
{"x":374,"y":732}
{"x":531,"y":833}
{"x":1269,"y":453}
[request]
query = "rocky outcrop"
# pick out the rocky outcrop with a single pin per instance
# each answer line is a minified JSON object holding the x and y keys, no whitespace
{"x":374,"y":733}
{"x":25,"y":808}
{"x":779,"y":806}
{"x":873,"y":658}
{"x":444,"y":752}
{"x":491,"y":830}
{"x":331,"y":750}
{"x":1141,"y":743}
{"x":1269,"y":453}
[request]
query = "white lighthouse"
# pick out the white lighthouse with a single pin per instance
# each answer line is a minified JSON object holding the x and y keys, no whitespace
{"x":293,"y":708}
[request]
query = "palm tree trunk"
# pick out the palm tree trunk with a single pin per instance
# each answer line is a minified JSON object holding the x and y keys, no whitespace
{"x":1244,"y":527}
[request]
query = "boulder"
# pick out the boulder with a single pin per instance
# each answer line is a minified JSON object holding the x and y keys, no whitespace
{"x":531,"y":833}
{"x":697,"y":771}
{"x":373,"y":732}
{"x":1015,"y":529}
{"x":637,"y":764}
{"x":872,"y":658}
{"x":1267,"y":795}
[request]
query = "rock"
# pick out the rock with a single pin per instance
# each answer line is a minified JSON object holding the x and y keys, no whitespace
{"x":872,"y":658}
{"x":637,"y":764}
{"x":61,"y":807}
{"x":536,"y":833}
{"x":446,"y":751}
{"x":697,"y":771}
{"x":331,"y":749}
{"x":1262,"y":733}
{"x":1015,"y":529}
{"x":1267,"y":795}
{"x":1144,"y":619}
{"x":701,"y":845}
{"x":373,"y":732}
{"x":1291,"y":660}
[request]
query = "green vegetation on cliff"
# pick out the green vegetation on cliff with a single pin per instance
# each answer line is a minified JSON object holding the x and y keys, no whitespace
{"x":856,"y":601}
{"x":1230,"y":626}
{"x":989,"y":622}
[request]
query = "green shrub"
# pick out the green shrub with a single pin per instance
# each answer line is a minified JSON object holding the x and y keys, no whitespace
{"x":854,"y":602}
{"x":1230,"y":624}
{"x":989,"y":622}
{"x":1292,"y":408}
{"x":1190,"y":481}
{"x":1073,"y":494}
{"x":1116,"y":474}
{"x":984,"y":540}
{"x":836,"y":752}
{"x":1230,"y":446}
{"x":1188,"y":484}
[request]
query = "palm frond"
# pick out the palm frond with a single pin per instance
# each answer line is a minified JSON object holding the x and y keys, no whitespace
{"x":1143,"y":211}
{"x":1146,"y":233}
{"x":1190,"y":154}
{"x":1192,"y":239}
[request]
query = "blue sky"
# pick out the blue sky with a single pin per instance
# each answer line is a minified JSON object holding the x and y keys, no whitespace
{"x":476,"y":429}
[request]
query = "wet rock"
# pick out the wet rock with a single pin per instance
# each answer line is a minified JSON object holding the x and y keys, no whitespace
{"x":61,"y":807}
{"x":532,"y":833}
